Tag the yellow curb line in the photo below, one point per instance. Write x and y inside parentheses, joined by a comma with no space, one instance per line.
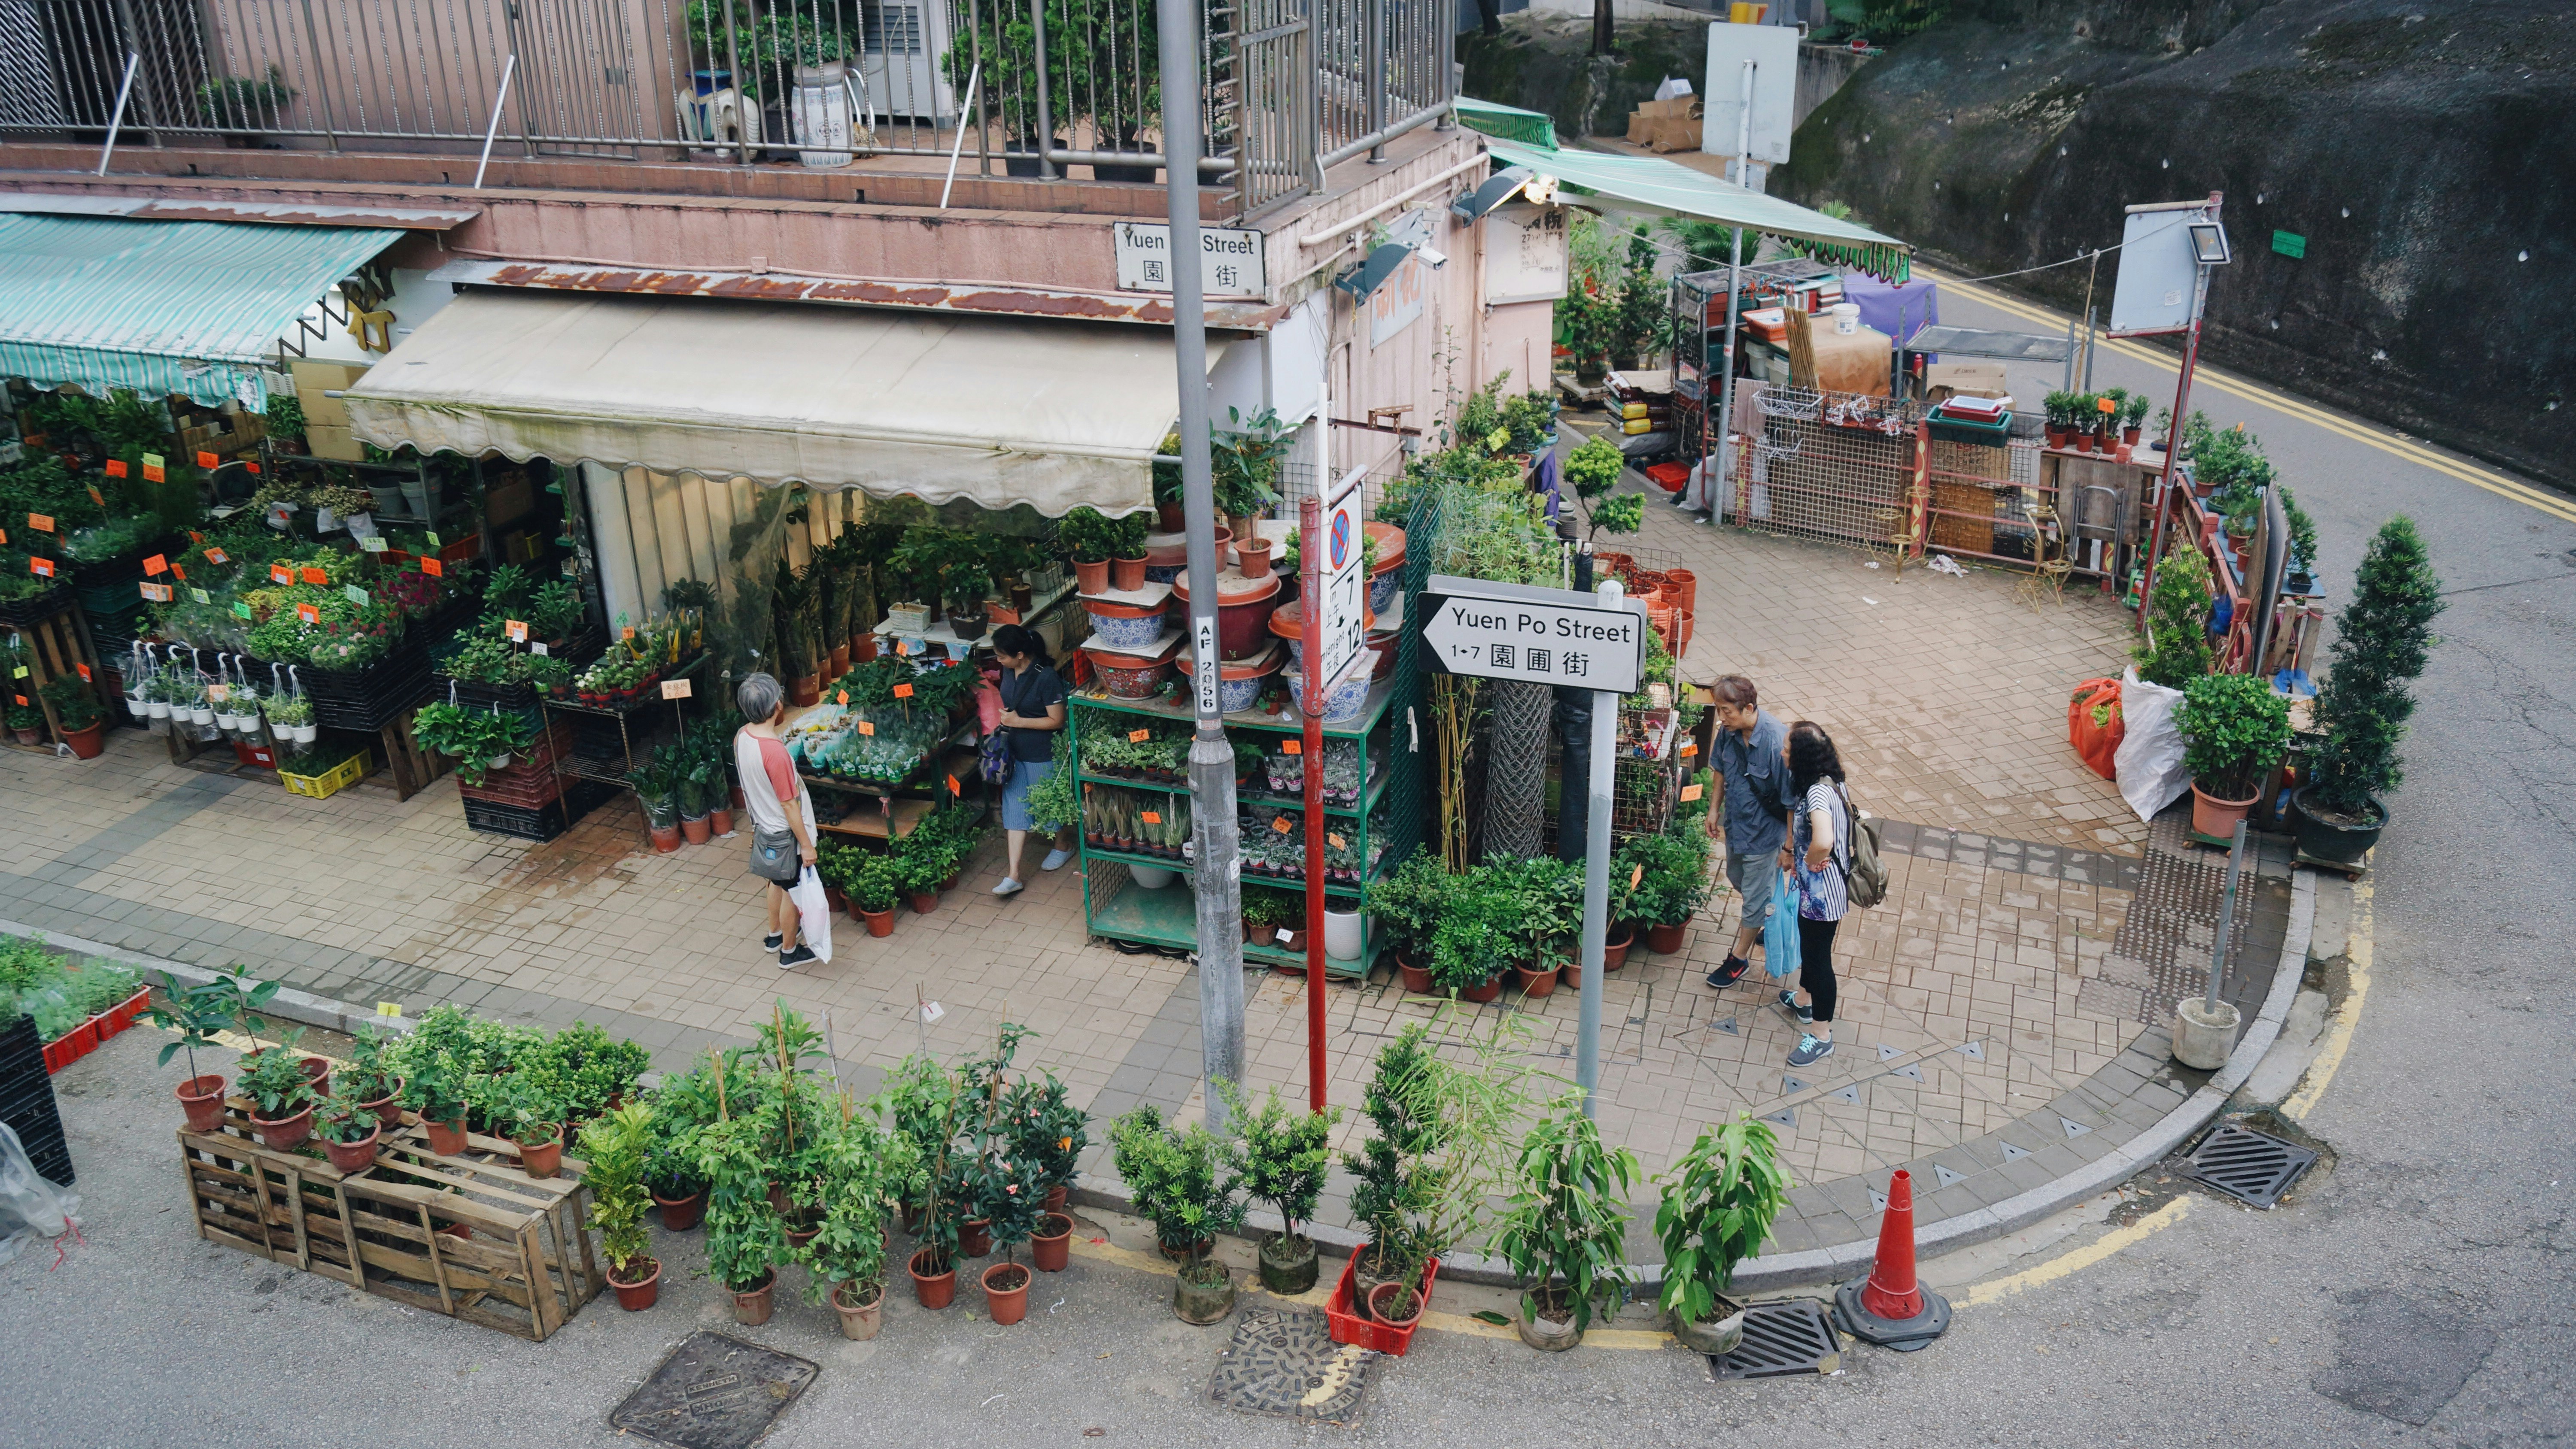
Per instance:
(2495,483)
(2084,1257)
(2321,1072)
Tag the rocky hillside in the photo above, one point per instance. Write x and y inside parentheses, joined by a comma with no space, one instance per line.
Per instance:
(2421,148)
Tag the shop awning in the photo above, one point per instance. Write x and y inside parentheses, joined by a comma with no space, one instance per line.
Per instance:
(161,307)
(997,412)
(1650,183)
(1510,123)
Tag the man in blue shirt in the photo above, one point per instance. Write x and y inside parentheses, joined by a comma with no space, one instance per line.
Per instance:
(1756,779)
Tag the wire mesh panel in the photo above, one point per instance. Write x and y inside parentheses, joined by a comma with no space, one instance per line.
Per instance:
(1827,465)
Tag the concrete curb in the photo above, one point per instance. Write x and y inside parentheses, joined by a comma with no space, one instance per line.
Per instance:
(1757,1275)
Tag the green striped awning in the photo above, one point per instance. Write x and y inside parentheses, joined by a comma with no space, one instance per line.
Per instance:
(1653,184)
(161,307)
(1510,123)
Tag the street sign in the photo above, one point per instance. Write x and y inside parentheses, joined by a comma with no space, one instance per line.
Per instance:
(1543,636)
(1345,628)
(1230,262)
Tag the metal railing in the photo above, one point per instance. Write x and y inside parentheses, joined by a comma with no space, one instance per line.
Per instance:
(1018,87)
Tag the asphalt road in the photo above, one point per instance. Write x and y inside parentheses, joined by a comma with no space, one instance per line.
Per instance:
(2417,1290)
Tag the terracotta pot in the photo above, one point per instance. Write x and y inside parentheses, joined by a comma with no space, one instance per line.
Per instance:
(752,1309)
(698,831)
(641,1294)
(86,743)
(1665,940)
(202,1098)
(666,838)
(1417,979)
(29,737)
(799,1237)
(355,1156)
(2130,436)
(931,1290)
(2057,436)
(679,1214)
(447,1139)
(1052,1251)
(840,659)
(1569,974)
(1289,1266)
(720,820)
(2215,817)
(317,1070)
(879,923)
(542,1160)
(284,1134)
(1007,1305)
(863,648)
(1091,578)
(1254,553)
(1382,1304)
(805,689)
(975,1237)
(924,902)
(1260,935)
(1172,517)
(1203,1302)
(1535,982)
(1492,989)
(388,1108)
(1127,573)
(1614,951)
(859,1321)
(1683,586)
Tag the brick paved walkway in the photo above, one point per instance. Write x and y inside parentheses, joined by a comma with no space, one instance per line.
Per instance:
(2008,976)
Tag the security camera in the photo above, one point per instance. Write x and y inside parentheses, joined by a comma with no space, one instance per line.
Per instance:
(1436,259)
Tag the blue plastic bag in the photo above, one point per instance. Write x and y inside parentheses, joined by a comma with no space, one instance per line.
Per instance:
(1780,933)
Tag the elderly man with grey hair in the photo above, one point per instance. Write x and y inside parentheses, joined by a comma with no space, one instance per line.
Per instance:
(1751,771)
(782,814)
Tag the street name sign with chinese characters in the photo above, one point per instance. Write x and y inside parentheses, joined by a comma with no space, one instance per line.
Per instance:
(1229,259)
(1542,636)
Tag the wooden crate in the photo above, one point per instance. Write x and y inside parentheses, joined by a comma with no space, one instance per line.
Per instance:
(58,644)
(471,1237)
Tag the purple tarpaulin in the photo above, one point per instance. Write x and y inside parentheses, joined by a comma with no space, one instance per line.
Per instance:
(1879,304)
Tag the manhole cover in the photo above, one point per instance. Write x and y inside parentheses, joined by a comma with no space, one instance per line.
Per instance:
(2248,1165)
(714,1392)
(1791,1336)
(1286,1366)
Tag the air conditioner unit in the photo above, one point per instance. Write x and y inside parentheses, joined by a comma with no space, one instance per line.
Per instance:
(904,41)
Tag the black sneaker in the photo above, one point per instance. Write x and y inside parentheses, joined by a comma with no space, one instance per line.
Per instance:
(1789,1000)
(790,960)
(774,940)
(1729,971)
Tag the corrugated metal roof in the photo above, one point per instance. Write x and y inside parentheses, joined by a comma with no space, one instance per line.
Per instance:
(190,307)
(280,213)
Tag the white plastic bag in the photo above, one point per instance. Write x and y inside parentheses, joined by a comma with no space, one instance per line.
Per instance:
(31,1208)
(813,913)
(2149,761)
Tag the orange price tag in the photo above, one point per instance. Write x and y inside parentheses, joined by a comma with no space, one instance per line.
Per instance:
(96,497)
(1280,824)
(517,629)
(41,522)
(1138,737)
(155,565)
(251,468)
(309,613)
(217,556)
(866,728)
(1337,842)
(84,672)
(195,537)
(316,576)
(1292,747)
(903,691)
(433,568)
(627,633)
(206,459)
(841,698)
(179,572)
(116,467)
(954,788)
(1689,748)
(1636,875)
(44,566)
(1153,817)
(153,473)
(4,535)
(280,574)
(1690,793)
(157,593)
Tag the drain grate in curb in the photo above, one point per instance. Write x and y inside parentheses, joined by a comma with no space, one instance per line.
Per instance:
(1789,1336)
(714,1392)
(1286,1366)
(2250,1166)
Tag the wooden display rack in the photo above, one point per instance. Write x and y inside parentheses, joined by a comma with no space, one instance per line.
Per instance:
(470,1237)
(57,644)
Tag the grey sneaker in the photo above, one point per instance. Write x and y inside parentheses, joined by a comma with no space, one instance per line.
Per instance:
(1789,1001)
(1810,1051)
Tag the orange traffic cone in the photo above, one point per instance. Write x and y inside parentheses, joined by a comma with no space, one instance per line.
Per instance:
(1889,1307)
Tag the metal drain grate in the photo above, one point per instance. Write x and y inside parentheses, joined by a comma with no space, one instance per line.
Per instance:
(714,1392)
(1790,1336)
(2248,1165)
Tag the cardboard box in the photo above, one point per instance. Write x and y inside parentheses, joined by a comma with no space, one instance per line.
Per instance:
(1673,133)
(1663,125)
(314,379)
(1968,379)
(334,442)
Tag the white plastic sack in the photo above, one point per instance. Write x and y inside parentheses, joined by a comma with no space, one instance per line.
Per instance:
(2149,762)
(813,913)
(32,1209)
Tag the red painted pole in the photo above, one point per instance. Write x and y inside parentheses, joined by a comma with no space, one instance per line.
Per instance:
(1310,596)
(2173,435)
(1892,1292)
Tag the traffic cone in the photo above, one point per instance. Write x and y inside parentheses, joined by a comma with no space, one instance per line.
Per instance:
(1889,1307)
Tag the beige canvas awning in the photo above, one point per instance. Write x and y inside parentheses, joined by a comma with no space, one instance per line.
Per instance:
(1055,415)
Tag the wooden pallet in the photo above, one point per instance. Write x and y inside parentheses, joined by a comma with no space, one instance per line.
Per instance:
(56,645)
(471,1237)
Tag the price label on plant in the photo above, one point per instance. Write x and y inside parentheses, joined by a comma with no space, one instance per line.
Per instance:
(219,692)
(1287,938)
(42,566)
(372,544)
(97,497)
(354,594)
(539,649)
(153,472)
(433,568)
(179,572)
(954,788)
(309,613)
(1292,747)
(206,459)
(517,629)
(1280,824)
(866,728)
(1689,748)
(240,609)
(675,689)
(1636,875)
(1337,842)
(155,566)
(1138,737)
(84,672)
(316,577)
(217,556)
(433,539)
(280,574)
(157,593)
(626,633)
(903,691)
(115,467)
(841,697)
(41,522)
(388,1008)
(1153,817)
(1690,793)
(201,596)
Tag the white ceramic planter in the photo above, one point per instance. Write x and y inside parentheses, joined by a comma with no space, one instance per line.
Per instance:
(1342,938)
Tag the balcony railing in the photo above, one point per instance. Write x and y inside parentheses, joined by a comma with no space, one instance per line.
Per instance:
(1019,87)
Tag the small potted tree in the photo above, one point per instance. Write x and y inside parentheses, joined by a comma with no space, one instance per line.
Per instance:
(1016,1210)
(1285,1153)
(1187,1181)
(1566,1231)
(1090,538)
(369,1081)
(861,1164)
(282,1097)
(874,888)
(745,1241)
(1549,896)
(618,1146)
(197,1013)
(79,713)
(1717,1206)
(533,1121)
(1052,1133)
(433,1089)
(922,1099)
(2176,649)
(1408,904)
(2383,639)
(969,587)
(349,1131)
(2235,728)
(1264,912)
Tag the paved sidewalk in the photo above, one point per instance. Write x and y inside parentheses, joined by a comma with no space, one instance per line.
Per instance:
(2001,1007)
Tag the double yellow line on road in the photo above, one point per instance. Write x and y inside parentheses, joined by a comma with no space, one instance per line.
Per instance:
(2555,505)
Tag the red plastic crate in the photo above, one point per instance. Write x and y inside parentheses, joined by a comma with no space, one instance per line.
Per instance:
(120,1016)
(71,1046)
(1669,476)
(1348,1327)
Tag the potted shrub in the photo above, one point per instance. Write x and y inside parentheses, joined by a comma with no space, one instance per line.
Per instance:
(26,722)
(1408,905)
(2133,417)
(2235,728)
(1717,1205)
(369,1082)
(922,1101)
(860,1165)
(349,1132)
(969,588)
(745,1241)
(684,1102)
(874,888)
(2300,576)
(1565,1233)
(1243,473)
(2383,639)
(1089,538)
(617,1147)
(281,1095)
(533,1120)
(78,712)
(1015,1212)
(1668,875)
(657,791)
(2059,407)
(1548,898)
(197,1013)
(1470,945)
(1264,912)
(1053,1133)
(433,1089)
(1186,1181)
(1286,1150)
(2176,648)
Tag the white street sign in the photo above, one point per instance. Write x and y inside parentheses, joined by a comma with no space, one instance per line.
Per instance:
(1345,628)
(1543,636)
(1229,259)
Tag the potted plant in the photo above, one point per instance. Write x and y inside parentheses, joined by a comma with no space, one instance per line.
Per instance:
(197,1013)
(433,1090)
(1407,904)
(2303,545)
(245,110)
(745,1240)
(969,587)
(1186,1180)
(282,1097)
(2383,639)
(657,791)
(860,1165)
(2235,728)
(2133,417)
(1243,472)
(1717,1205)
(1548,895)
(1566,1231)
(369,1081)
(1473,939)
(2059,407)
(1668,872)
(2176,648)
(349,1132)
(1089,538)
(78,712)
(874,889)
(683,1103)
(532,1119)
(922,1102)
(1016,1210)
(617,1147)
(1286,1150)
(26,723)
(1264,912)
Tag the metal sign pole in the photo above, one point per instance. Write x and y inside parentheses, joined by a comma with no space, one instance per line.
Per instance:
(1596,875)
(1216,876)
(1310,561)
(1734,294)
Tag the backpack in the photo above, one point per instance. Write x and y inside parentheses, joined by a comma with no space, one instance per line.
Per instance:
(1865,879)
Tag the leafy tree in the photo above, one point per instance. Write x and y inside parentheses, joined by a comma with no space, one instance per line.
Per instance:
(2383,639)
(2176,649)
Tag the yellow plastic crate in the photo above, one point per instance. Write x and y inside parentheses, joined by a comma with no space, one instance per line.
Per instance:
(331,781)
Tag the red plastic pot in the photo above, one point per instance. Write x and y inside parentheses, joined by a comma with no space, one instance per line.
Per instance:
(202,1098)
(86,743)
(720,821)
(1492,989)
(447,1139)
(355,1156)
(542,1160)
(1127,573)
(1052,1251)
(1381,1301)
(679,1214)
(1535,982)
(1091,578)
(1055,1198)
(879,923)
(698,831)
(752,1309)
(1417,979)
(388,1108)
(2216,817)
(1665,940)
(284,1134)
(666,838)
(930,1290)
(1614,952)
(975,1237)
(637,1296)
(1007,1305)
(924,902)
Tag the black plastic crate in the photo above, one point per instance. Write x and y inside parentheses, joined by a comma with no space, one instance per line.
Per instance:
(580,797)
(39,608)
(369,698)
(27,1101)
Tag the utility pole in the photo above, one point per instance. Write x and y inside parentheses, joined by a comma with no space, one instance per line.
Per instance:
(1216,877)
(1724,489)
